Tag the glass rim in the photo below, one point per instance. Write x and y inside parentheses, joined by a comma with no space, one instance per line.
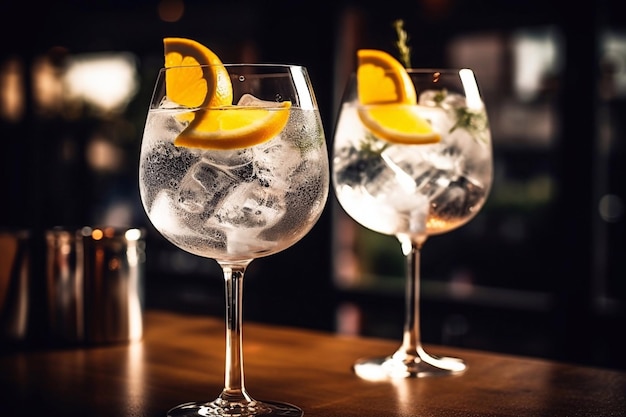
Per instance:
(428,70)
(298,90)
(238,65)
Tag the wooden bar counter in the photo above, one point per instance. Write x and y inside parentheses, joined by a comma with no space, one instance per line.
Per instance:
(181,359)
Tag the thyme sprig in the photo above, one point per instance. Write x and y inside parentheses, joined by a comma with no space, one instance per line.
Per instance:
(370,146)
(402,43)
(474,122)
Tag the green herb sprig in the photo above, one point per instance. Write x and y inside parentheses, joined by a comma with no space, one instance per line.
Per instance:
(371,147)
(402,43)
(474,122)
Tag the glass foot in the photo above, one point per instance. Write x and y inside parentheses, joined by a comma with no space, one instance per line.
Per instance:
(407,366)
(220,408)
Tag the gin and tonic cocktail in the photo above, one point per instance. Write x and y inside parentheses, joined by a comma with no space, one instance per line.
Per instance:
(233,167)
(412,158)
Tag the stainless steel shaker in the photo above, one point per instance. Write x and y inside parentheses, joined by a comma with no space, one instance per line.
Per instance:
(64,286)
(14,285)
(112,275)
(94,279)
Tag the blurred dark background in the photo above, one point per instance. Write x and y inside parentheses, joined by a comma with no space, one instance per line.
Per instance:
(540,271)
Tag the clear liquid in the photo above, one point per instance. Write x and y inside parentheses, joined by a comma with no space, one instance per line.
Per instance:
(411,190)
(234,204)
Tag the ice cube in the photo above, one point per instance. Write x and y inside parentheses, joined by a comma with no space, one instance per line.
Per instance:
(460,197)
(274,162)
(237,161)
(163,214)
(241,241)
(352,168)
(441,98)
(202,188)
(252,206)
(252,101)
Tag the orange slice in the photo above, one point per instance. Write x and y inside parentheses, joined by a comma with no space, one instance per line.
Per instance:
(382,79)
(217,124)
(388,97)
(194,86)
(235,127)
(398,123)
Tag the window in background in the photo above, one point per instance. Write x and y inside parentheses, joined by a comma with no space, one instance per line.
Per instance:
(66,122)
(609,288)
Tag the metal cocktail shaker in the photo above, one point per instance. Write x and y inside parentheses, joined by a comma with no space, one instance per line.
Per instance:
(95,285)
(14,284)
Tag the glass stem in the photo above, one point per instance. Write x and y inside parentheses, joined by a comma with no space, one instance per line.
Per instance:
(234,391)
(411,340)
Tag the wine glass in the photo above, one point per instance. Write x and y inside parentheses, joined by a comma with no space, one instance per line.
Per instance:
(255,197)
(414,191)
